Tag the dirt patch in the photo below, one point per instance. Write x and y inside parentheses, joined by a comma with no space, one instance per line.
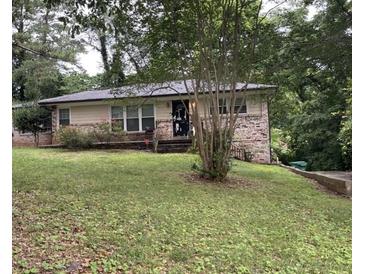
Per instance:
(229,181)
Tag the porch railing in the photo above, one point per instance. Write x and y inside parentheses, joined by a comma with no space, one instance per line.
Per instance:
(238,153)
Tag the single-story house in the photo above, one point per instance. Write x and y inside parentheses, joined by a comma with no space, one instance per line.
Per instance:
(165,108)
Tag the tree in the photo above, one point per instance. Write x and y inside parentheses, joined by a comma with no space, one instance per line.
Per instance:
(345,134)
(76,82)
(42,51)
(212,39)
(107,27)
(32,119)
(312,69)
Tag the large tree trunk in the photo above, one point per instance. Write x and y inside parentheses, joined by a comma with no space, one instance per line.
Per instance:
(104,52)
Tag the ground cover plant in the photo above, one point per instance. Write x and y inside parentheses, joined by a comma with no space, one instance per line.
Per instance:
(136,212)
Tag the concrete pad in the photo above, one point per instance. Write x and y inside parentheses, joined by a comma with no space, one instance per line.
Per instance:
(342,175)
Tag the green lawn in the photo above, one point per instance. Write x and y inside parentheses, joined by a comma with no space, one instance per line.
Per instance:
(116,212)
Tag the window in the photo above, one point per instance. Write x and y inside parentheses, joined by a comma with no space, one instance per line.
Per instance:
(132,118)
(117,118)
(238,103)
(222,107)
(148,117)
(64,117)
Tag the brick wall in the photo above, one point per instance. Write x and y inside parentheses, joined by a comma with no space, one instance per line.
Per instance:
(164,130)
(252,134)
(131,136)
(27,139)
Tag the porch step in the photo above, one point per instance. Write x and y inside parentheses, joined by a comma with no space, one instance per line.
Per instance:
(175,141)
(172,146)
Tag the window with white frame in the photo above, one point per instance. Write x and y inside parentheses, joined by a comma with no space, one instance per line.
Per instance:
(222,107)
(64,116)
(132,118)
(117,117)
(148,117)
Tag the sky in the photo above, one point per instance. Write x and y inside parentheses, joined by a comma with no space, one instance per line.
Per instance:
(91,59)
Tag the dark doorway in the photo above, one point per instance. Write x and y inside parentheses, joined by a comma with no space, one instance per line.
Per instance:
(180,117)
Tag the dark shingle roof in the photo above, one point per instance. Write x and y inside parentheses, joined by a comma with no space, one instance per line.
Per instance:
(164,89)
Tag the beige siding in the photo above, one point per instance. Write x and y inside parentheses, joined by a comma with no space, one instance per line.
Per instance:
(89,114)
(203,106)
(254,103)
(163,110)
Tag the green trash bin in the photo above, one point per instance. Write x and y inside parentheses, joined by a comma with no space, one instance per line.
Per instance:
(302,165)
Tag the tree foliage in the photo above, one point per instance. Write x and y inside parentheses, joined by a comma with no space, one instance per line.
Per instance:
(31,119)
(42,50)
(76,82)
(313,69)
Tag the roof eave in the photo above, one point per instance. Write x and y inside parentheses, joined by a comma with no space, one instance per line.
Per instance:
(272,88)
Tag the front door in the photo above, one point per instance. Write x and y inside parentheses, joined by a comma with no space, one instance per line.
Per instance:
(180,117)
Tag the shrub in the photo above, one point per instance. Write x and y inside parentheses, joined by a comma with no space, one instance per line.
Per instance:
(279,144)
(118,132)
(32,119)
(105,133)
(75,138)
(102,133)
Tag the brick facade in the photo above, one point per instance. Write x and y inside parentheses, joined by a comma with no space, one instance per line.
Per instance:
(164,130)
(27,139)
(130,136)
(252,134)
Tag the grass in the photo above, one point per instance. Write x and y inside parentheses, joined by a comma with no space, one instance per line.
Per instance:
(117,212)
